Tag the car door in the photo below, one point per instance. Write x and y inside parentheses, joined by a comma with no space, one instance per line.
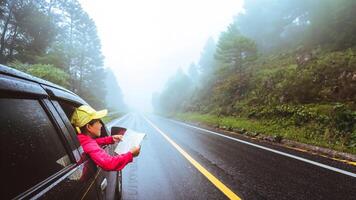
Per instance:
(85,174)
(36,159)
(106,182)
(113,189)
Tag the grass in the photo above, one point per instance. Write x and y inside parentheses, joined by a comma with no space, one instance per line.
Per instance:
(305,134)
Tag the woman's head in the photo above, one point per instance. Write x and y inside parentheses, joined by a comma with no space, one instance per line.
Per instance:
(88,120)
(93,128)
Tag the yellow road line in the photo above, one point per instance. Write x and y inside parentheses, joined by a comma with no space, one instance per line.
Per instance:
(230,194)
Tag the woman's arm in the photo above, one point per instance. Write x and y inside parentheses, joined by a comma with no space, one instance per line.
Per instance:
(105,140)
(106,161)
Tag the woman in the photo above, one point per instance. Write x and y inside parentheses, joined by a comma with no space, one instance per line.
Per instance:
(88,121)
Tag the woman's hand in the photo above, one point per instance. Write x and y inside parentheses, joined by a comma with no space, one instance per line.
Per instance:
(135,151)
(117,138)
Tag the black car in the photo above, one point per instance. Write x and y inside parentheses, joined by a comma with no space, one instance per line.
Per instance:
(41,157)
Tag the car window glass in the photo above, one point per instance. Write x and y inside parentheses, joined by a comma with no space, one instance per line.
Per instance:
(68,108)
(31,149)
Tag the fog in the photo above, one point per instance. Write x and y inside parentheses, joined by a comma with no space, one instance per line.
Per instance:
(146,42)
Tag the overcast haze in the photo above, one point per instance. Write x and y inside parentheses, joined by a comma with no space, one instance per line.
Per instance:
(145,42)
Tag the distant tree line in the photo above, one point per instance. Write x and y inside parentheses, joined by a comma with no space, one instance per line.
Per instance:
(55,40)
(283,60)
(273,46)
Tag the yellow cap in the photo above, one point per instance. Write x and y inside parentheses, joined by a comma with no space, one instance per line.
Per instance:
(84,114)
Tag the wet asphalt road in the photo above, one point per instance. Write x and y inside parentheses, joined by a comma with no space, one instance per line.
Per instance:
(161,172)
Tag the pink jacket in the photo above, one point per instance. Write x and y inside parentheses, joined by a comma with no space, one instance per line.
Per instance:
(100,157)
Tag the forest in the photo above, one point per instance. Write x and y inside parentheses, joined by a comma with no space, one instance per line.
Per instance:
(58,41)
(281,68)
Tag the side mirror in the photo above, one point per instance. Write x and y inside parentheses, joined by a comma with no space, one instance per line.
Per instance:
(115,130)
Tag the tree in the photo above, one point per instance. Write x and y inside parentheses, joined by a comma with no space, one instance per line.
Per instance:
(277,25)
(54,33)
(271,23)
(26,30)
(193,73)
(233,49)
(47,72)
(78,44)
(332,24)
(175,95)
(207,61)
(114,97)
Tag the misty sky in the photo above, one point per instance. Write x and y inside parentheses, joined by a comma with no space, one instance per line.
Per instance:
(145,42)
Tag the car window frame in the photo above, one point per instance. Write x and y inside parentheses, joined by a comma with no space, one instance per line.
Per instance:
(43,184)
(44,97)
(46,184)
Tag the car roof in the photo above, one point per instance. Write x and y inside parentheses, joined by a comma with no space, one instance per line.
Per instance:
(58,92)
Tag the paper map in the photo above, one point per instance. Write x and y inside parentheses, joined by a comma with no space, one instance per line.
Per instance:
(131,139)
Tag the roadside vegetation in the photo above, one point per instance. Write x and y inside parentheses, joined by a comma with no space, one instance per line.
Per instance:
(282,68)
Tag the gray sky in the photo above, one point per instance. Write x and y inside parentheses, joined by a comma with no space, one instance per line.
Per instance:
(145,42)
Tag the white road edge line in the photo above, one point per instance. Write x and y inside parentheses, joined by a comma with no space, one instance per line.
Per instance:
(272,150)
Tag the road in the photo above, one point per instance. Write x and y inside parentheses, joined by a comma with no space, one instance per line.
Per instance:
(178,161)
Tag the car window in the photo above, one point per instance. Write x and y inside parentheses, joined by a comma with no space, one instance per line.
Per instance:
(69,108)
(31,149)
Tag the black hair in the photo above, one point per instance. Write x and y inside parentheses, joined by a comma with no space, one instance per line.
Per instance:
(84,129)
